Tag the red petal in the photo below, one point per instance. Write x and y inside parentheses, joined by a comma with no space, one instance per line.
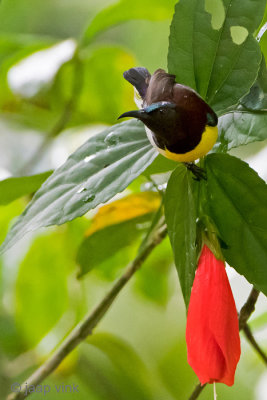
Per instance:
(212,332)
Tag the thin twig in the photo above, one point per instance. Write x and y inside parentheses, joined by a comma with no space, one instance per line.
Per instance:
(254,343)
(86,326)
(198,389)
(244,315)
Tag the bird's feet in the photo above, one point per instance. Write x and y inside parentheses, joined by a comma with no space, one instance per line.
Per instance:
(199,173)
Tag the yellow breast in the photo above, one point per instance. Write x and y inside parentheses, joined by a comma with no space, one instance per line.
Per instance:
(208,140)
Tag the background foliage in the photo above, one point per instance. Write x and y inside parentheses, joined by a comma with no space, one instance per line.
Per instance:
(61,82)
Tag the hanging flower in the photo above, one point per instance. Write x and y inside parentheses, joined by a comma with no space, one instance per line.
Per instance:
(212,332)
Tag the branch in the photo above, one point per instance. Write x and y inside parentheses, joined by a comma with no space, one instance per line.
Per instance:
(244,315)
(86,326)
(253,343)
(248,308)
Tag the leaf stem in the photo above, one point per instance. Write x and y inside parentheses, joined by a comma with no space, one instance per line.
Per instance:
(86,326)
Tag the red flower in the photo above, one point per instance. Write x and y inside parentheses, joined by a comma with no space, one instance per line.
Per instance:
(212,332)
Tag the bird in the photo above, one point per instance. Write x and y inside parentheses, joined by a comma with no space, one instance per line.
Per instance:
(178,121)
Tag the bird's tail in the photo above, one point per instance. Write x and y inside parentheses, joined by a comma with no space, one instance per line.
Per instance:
(139,77)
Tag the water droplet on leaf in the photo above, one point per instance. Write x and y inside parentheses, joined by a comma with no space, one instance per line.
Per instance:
(82,189)
(89,198)
(112,139)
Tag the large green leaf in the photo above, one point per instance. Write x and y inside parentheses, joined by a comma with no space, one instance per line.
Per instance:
(93,174)
(124,357)
(113,371)
(181,222)
(241,127)
(238,205)
(256,99)
(221,64)
(174,370)
(15,187)
(105,243)
(122,11)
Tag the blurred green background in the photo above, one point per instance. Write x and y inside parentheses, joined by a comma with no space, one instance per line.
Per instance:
(61,65)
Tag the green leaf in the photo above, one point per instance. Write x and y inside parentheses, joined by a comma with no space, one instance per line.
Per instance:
(122,356)
(112,369)
(181,222)
(105,243)
(221,64)
(238,128)
(237,200)
(174,370)
(114,95)
(7,213)
(15,187)
(11,342)
(153,279)
(160,165)
(93,174)
(122,12)
(41,287)
(261,34)
(126,208)
(256,99)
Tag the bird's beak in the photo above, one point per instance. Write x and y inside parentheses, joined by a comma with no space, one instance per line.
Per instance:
(132,114)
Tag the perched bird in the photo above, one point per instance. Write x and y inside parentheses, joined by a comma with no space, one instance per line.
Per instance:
(178,122)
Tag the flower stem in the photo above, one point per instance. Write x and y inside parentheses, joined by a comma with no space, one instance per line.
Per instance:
(214,391)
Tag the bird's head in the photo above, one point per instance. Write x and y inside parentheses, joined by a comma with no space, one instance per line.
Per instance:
(158,116)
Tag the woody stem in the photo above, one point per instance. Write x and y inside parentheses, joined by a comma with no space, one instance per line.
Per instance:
(248,308)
